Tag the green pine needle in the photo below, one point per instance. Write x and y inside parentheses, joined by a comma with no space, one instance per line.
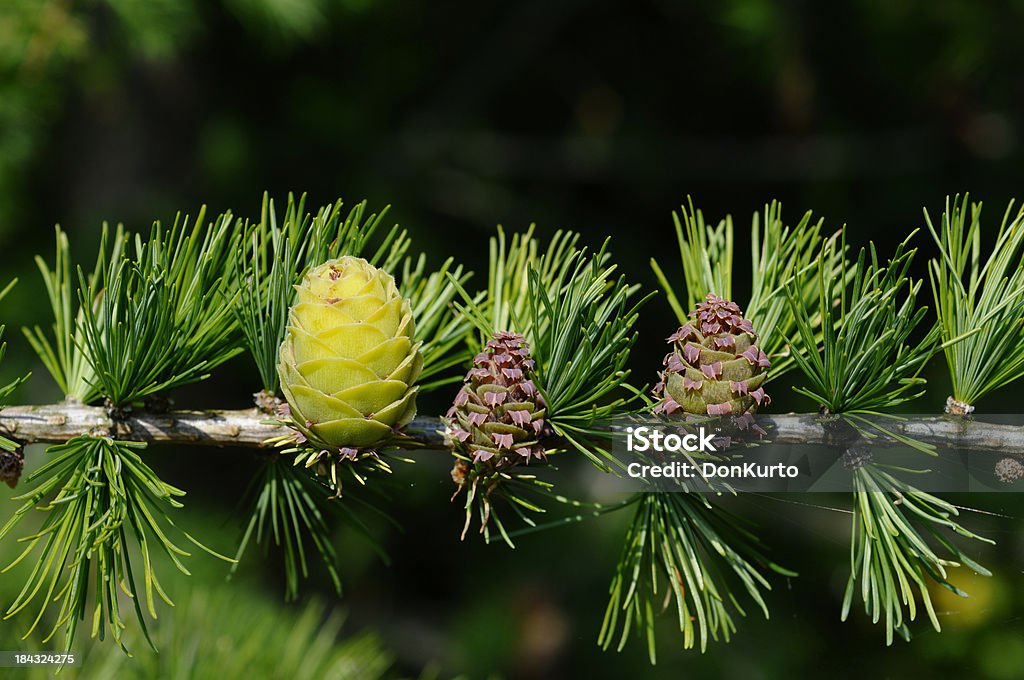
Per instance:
(158,315)
(64,357)
(291,508)
(269,262)
(528,497)
(578,318)
(783,258)
(856,346)
(442,330)
(104,508)
(679,555)
(705,258)
(982,299)
(891,559)
(581,329)
(505,304)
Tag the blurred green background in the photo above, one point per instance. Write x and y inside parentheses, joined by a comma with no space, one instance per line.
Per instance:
(596,116)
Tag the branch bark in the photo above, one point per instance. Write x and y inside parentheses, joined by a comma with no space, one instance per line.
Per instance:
(251,428)
(246,428)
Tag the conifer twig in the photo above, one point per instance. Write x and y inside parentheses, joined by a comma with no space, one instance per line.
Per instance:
(251,428)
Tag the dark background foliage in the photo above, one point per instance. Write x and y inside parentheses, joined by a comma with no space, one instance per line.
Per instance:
(595,116)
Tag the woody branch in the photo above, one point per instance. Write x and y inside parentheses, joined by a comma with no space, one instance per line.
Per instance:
(252,428)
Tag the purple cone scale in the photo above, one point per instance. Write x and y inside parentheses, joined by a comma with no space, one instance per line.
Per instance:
(715,366)
(498,415)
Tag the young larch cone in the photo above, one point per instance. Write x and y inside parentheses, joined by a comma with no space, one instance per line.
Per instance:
(715,366)
(349,361)
(498,416)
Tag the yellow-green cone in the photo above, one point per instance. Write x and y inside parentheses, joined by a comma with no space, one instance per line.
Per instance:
(348,363)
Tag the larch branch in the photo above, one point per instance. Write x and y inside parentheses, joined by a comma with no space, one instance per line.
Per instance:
(252,428)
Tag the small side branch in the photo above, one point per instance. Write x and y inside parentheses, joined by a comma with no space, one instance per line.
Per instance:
(251,428)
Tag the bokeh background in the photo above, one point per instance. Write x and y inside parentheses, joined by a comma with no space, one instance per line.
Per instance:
(596,116)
